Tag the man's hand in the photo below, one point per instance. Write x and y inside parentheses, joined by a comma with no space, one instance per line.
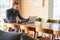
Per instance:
(28,19)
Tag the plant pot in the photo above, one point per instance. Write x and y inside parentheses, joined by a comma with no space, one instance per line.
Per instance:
(38,24)
(48,25)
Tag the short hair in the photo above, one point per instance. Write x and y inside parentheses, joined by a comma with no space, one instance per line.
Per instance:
(15,3)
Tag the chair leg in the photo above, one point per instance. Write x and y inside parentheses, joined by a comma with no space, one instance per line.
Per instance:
(57,36)
(53,37)
(22,30)
(36,35)
(19,30)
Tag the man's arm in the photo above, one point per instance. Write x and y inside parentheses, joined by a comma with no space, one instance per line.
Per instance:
(20,17)
(8,17)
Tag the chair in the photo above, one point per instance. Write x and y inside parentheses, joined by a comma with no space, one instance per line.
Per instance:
(47,31)
(56,33)
(10,25)
(32,29)
(23,28)
(26,29)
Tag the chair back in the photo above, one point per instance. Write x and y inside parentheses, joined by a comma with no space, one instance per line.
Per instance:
(48,31)
(56,33)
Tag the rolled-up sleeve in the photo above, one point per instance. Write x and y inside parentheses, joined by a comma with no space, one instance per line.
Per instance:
(8,17)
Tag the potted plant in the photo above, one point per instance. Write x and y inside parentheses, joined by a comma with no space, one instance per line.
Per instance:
(38,22)
(39,19)
(48,24)
(49,21)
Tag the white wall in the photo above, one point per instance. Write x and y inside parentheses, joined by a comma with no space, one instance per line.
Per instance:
(30,9)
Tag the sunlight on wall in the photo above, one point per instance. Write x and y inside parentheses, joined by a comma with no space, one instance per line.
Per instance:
(34,8)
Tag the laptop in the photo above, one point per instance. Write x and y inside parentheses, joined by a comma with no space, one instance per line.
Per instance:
(32,19)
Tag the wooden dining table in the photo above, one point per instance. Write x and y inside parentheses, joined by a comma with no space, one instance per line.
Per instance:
(40,29)
(30,26)
(34,28)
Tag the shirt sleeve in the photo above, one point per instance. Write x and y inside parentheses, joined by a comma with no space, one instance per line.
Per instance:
(8,17)
(20,17)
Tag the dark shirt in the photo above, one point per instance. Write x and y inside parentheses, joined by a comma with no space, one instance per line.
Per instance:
(11,15)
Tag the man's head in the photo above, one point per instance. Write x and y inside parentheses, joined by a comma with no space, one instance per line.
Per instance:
(15,6)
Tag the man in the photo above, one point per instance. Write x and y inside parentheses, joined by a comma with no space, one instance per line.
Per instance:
(12,13)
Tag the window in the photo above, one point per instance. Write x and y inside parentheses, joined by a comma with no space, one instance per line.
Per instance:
(4,5)
(56,13)
(56,9)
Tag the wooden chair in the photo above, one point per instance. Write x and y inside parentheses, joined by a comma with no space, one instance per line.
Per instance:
(26,29)
(11,25)
(56,33)
(47,31)
(32,29)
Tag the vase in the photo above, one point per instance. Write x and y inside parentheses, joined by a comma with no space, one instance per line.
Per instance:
(48,25)
(38,24)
